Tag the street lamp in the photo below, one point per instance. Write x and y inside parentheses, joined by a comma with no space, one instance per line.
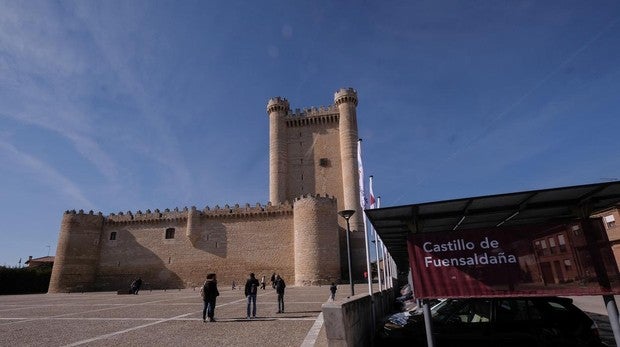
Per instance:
(346,214)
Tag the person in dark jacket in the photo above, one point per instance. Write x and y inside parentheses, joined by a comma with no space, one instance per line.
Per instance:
(333,290)
(135,286)
(251,289)
(280,285)
(210,293)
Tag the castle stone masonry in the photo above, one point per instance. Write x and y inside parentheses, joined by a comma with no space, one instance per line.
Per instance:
(313,174)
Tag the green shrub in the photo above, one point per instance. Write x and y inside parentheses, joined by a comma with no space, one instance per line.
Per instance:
(24,280)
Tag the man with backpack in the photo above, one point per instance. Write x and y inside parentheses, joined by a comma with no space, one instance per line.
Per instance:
(251,289)
(209,293)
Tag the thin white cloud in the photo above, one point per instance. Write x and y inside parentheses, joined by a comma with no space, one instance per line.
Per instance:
(45,174)
(111,40)
(38,72)
(49,65)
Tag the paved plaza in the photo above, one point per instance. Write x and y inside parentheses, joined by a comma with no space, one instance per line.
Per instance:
(163,318)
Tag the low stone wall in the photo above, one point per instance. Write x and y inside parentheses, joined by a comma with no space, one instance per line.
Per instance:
(348,322)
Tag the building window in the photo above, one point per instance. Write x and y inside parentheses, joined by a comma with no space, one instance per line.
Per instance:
(576,230)
(324,162)
(543,246)
(562,242)
(610,221)
(551,245)
(113,235)
(170,233)
(567,264)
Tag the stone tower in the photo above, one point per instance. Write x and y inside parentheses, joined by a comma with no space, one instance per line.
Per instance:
(311,147)
(346,100)
(314,151)
(317,259)
(77,255)
(277,108)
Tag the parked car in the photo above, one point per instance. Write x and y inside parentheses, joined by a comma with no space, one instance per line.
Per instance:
(504,322)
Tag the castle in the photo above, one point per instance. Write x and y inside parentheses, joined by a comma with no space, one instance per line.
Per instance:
(313,174)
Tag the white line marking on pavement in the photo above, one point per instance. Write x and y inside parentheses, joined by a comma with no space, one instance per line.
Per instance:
(105,336)
(313,333)
(89,311)
(100,337)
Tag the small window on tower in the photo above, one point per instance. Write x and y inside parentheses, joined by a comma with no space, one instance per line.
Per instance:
(324,162)
(610,221)
(113,235)
(170,233)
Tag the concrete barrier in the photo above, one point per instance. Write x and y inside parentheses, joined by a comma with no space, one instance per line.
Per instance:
(349,322)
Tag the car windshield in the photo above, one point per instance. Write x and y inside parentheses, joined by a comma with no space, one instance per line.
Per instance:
(444,308)
(463,311)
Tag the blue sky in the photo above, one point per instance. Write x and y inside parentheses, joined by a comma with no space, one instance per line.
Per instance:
(134,105)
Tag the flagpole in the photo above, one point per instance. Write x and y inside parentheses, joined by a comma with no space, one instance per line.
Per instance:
(360,168)
(392,271)
(374,232)
(384,249)
(388,269)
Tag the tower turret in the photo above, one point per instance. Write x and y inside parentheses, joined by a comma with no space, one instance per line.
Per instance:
(317,259)
(346,100)
(193,225)
(277,109)
(77,255)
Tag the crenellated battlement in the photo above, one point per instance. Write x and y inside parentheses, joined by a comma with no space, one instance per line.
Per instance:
(317,196)
(177,214)
(278,104)
(312,116)
(227,211)
(314,111)
(238,211)
(81,212)
(345,95)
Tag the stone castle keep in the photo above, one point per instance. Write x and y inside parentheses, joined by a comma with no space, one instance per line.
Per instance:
(313,174)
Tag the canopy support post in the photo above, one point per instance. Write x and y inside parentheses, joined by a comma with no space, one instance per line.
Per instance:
(612,313)
(428,323)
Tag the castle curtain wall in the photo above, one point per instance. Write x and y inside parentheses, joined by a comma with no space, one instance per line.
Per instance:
(229,244)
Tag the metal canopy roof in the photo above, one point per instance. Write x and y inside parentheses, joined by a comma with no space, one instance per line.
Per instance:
(393,224)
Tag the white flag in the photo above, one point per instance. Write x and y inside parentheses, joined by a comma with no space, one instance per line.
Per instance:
(360,169)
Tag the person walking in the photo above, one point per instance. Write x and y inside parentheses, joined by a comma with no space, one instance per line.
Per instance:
(280,285)
(251,289)
(333,290)
(273,280)
(262,282)
(209,294)
(135,286)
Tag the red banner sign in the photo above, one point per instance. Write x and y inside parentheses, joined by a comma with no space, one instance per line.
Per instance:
(535,260)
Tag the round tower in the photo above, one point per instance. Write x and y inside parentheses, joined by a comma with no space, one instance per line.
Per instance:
(317,250)
(277,109)
(346,100)
(77,254)
(193,225)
